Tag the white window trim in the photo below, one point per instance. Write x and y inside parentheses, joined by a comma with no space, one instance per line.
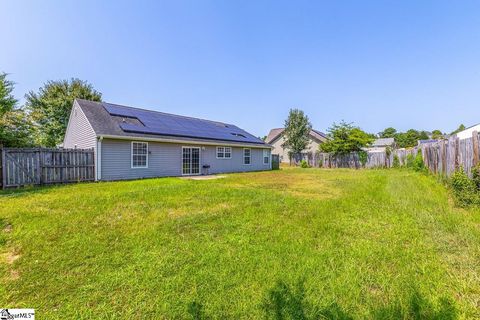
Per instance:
(268,155)
(243,160)
(131,156)
(224,157)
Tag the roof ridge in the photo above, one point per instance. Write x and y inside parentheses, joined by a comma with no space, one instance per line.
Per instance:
(166,113)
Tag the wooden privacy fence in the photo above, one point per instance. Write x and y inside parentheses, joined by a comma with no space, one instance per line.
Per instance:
(376,159)
(38,166)
(443,157)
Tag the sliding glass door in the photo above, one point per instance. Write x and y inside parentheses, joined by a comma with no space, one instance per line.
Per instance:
(190,160)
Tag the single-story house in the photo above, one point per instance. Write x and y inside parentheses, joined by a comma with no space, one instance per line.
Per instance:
(276,139)
(132,143)
(468,132)
(381,144)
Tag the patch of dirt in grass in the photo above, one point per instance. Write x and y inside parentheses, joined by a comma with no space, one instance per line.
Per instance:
(14,275)
(8,228)
(9,258)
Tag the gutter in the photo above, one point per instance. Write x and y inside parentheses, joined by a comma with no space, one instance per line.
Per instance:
(209,143)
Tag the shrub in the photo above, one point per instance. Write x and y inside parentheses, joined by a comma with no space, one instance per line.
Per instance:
(363,157)
(464,189)
(388,151)
(476,176)
(410,161)
(396,161)
(418,164)
(304,164)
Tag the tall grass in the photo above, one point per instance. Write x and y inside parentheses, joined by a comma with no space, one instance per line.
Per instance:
(288,244)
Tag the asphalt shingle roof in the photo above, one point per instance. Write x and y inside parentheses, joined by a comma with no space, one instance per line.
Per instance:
(274,133)
(382,142)
(116,120)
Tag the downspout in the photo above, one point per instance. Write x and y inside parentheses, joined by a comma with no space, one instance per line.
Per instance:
(99,159)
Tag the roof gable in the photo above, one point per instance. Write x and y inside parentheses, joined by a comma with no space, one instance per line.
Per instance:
(274,134)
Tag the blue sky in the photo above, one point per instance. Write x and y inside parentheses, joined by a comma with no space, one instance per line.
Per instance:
(406,64)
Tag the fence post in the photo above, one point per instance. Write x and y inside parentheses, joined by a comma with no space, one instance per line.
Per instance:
(457,153)
(4,169)
(40,166)
(475,148)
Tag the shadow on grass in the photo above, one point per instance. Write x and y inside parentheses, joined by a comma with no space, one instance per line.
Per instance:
(289,302)
(286,302)
(283,302)
(30,189)
(195,311)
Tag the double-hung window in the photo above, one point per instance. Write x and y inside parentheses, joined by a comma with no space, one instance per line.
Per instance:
(247,156)
(266,156)
(139,154)
(224,152)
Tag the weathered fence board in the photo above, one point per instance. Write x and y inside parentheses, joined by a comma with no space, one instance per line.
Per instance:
(442,157)
(38,166)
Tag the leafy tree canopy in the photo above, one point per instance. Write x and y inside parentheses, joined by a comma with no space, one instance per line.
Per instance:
(7,100)
(50,108)
(437,134)
(388,133)
(460,128)
(14,125)
(346,138)
(410,138)
(297,130)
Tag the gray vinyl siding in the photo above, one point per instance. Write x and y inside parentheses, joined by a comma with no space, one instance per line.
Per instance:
(79,132)
(235,164)
(165,159)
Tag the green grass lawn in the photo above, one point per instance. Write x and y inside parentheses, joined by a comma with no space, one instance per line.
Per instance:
(288,244)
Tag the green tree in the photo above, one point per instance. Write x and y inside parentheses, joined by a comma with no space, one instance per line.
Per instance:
(297,130)
(423,135)
(388,133)
(460,128)
(410,138)
(437,134)
(50,108)
(15,129)
(7,100)
(346,138)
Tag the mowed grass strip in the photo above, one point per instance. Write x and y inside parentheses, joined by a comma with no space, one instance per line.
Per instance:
(288,244)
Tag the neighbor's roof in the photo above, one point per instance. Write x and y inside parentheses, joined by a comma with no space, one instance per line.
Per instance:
(383,142)
(275,133)
(427,141)
(109,119)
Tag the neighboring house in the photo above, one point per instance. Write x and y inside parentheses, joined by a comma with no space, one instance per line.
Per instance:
(276,139)
(467,133)
(381,144)
(131,143)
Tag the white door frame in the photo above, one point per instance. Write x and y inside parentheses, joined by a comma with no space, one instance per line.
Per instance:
(199,161)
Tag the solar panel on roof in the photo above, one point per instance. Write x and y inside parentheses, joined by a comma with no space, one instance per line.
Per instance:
(174,125)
